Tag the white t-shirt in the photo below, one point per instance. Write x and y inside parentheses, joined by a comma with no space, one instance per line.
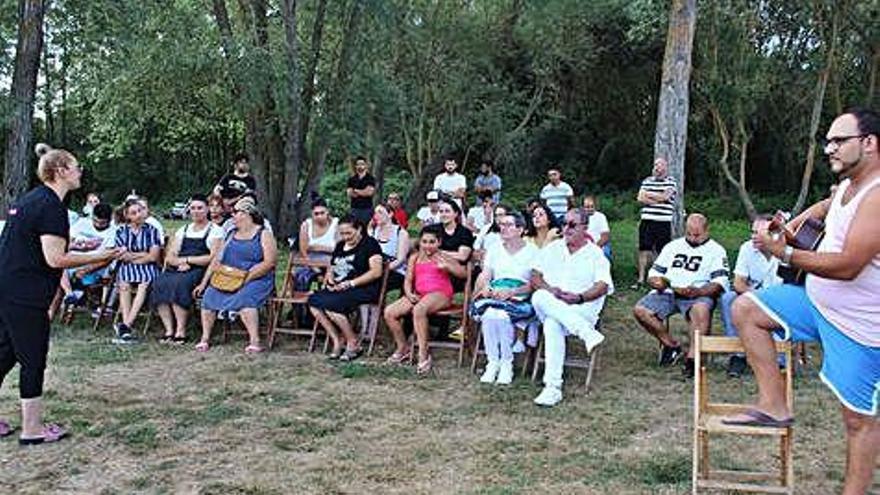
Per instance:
(485,239)
(426,217)
(598,226)
(156,223)
(478,215)
(84,234)
(557,197)
(450,183)
(505,265)
(574,272)
(216,232)
(686,266)
(757,269)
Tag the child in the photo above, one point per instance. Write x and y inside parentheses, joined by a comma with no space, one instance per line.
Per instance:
(427,289)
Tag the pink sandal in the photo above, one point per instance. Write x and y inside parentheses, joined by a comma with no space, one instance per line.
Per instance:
(202,347)
(5,429)
(253,349)
(51,434)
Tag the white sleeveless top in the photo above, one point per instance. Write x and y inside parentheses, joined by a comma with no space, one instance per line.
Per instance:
(327,240)
(853,306)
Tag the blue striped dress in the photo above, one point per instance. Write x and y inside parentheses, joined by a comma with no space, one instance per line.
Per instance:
(137,242)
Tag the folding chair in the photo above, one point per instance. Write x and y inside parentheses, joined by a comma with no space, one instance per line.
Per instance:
(708,420)
(289,296)
(588,362)
(453,312)
(529,357)
(369,316)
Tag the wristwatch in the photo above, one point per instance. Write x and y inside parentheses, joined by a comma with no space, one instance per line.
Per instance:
(786,255)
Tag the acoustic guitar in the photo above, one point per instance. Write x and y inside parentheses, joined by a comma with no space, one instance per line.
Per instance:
(807,237)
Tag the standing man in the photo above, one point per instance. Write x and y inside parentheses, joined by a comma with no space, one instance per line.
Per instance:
(361,188)
(239,182)
(451,182)
(557,194)
(657,197)
(571,278)
(487,182)
(839,305)
(33,253)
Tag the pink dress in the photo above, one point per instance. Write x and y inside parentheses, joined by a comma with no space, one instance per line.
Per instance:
(429,278)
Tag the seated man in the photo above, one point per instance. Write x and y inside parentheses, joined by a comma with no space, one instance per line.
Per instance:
(429,215)
(687,276)
(754,270)
(571,278)
(599,229)
(88,235)
(481,214)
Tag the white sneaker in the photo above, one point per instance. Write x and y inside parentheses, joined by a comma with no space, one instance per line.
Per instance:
(549,397)
(591,338)
(518,347)
(491,372)
(505,373)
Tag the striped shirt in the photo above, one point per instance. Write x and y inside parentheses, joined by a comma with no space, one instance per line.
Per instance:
(659,212)
(556,198)
(137,242)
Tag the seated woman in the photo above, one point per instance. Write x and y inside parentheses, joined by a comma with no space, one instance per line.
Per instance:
(249,247)
(216,213)
(427,289)
(394,241)
(544,228)
(353,279)
(189,252)
(138,266)
(501,296)
(318,236)
(489,235)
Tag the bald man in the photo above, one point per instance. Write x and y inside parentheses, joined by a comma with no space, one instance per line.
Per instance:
(687,277)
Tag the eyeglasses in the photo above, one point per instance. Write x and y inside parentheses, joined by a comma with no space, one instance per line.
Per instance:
(837,141)
(571,225)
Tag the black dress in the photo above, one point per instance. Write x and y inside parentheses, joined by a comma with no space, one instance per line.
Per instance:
(174,287)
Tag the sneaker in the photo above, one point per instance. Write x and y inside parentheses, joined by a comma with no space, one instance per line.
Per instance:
(591,339)
(491,372)
(736,366)
(73,298)
(518,347)
(687,370)
(670,355)
(123,334)
(505,373)
(549,397)
(232,316)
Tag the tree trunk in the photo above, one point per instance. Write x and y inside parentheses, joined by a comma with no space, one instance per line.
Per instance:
(16,177)
(818,103)
(287,218)
(670,139)
(423,182)
(308,92)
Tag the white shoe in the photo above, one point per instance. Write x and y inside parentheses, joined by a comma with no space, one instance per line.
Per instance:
(518,347)
(591,338)
(505,373)
(549,397)
(491,372)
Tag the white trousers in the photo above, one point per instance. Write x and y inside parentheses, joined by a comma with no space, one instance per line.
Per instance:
(498,335)
(561,319)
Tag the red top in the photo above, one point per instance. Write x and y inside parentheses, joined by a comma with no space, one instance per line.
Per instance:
(401,217)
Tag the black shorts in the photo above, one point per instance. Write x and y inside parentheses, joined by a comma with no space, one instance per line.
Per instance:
(653,235)
(344,301)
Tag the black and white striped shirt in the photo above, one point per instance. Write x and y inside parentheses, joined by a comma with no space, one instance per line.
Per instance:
(659,212)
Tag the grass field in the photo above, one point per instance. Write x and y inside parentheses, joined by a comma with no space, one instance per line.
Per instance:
(158,419)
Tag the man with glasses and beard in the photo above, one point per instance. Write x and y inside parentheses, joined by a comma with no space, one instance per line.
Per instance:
(839,305)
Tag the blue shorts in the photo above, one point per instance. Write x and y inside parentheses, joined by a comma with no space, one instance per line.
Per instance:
(850,369)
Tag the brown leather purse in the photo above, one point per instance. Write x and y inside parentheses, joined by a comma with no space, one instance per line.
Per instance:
(228,278)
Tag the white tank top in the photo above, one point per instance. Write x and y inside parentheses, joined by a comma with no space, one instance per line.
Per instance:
(853,306)
(328,239)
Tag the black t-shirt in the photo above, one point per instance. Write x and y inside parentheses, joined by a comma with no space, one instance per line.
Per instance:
(233,186)
(352,263)
(22,263)
(461,236)
(356,182)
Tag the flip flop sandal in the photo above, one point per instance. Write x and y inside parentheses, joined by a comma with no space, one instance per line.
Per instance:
(202,347)
(6,429)
(51,434)
(754,417)
(349,355)
(178,340)
(398,358)
(425,366)
(253,349)
(166,339)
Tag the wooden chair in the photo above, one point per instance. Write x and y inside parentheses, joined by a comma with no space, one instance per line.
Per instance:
(708,420)
(529,356)
(588,362)
(370,315)
(456,311)
(292,297)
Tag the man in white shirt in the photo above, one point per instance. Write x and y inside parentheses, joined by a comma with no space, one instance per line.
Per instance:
(481,215)
(557,194)
(88,235)
(599,229)
(571,278)
(687,277)
(430,214)
(451,182)
(754,270)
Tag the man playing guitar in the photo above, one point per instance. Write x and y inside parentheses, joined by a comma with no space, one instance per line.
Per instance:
(840,304)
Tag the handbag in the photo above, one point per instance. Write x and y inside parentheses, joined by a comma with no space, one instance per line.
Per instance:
(228,278)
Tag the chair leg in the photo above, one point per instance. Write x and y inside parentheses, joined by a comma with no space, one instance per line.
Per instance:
(594,358)
(375,323)
(537,360)
(314,337)
(274,310)
(474,359)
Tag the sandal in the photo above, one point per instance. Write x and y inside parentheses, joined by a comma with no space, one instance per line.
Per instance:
(350,355)
(202,347)
(166,339)
(335,354)
(754,417)
(425,366)
(51,434)
(178,340)
(5,429)
(253,349)
(398,358)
